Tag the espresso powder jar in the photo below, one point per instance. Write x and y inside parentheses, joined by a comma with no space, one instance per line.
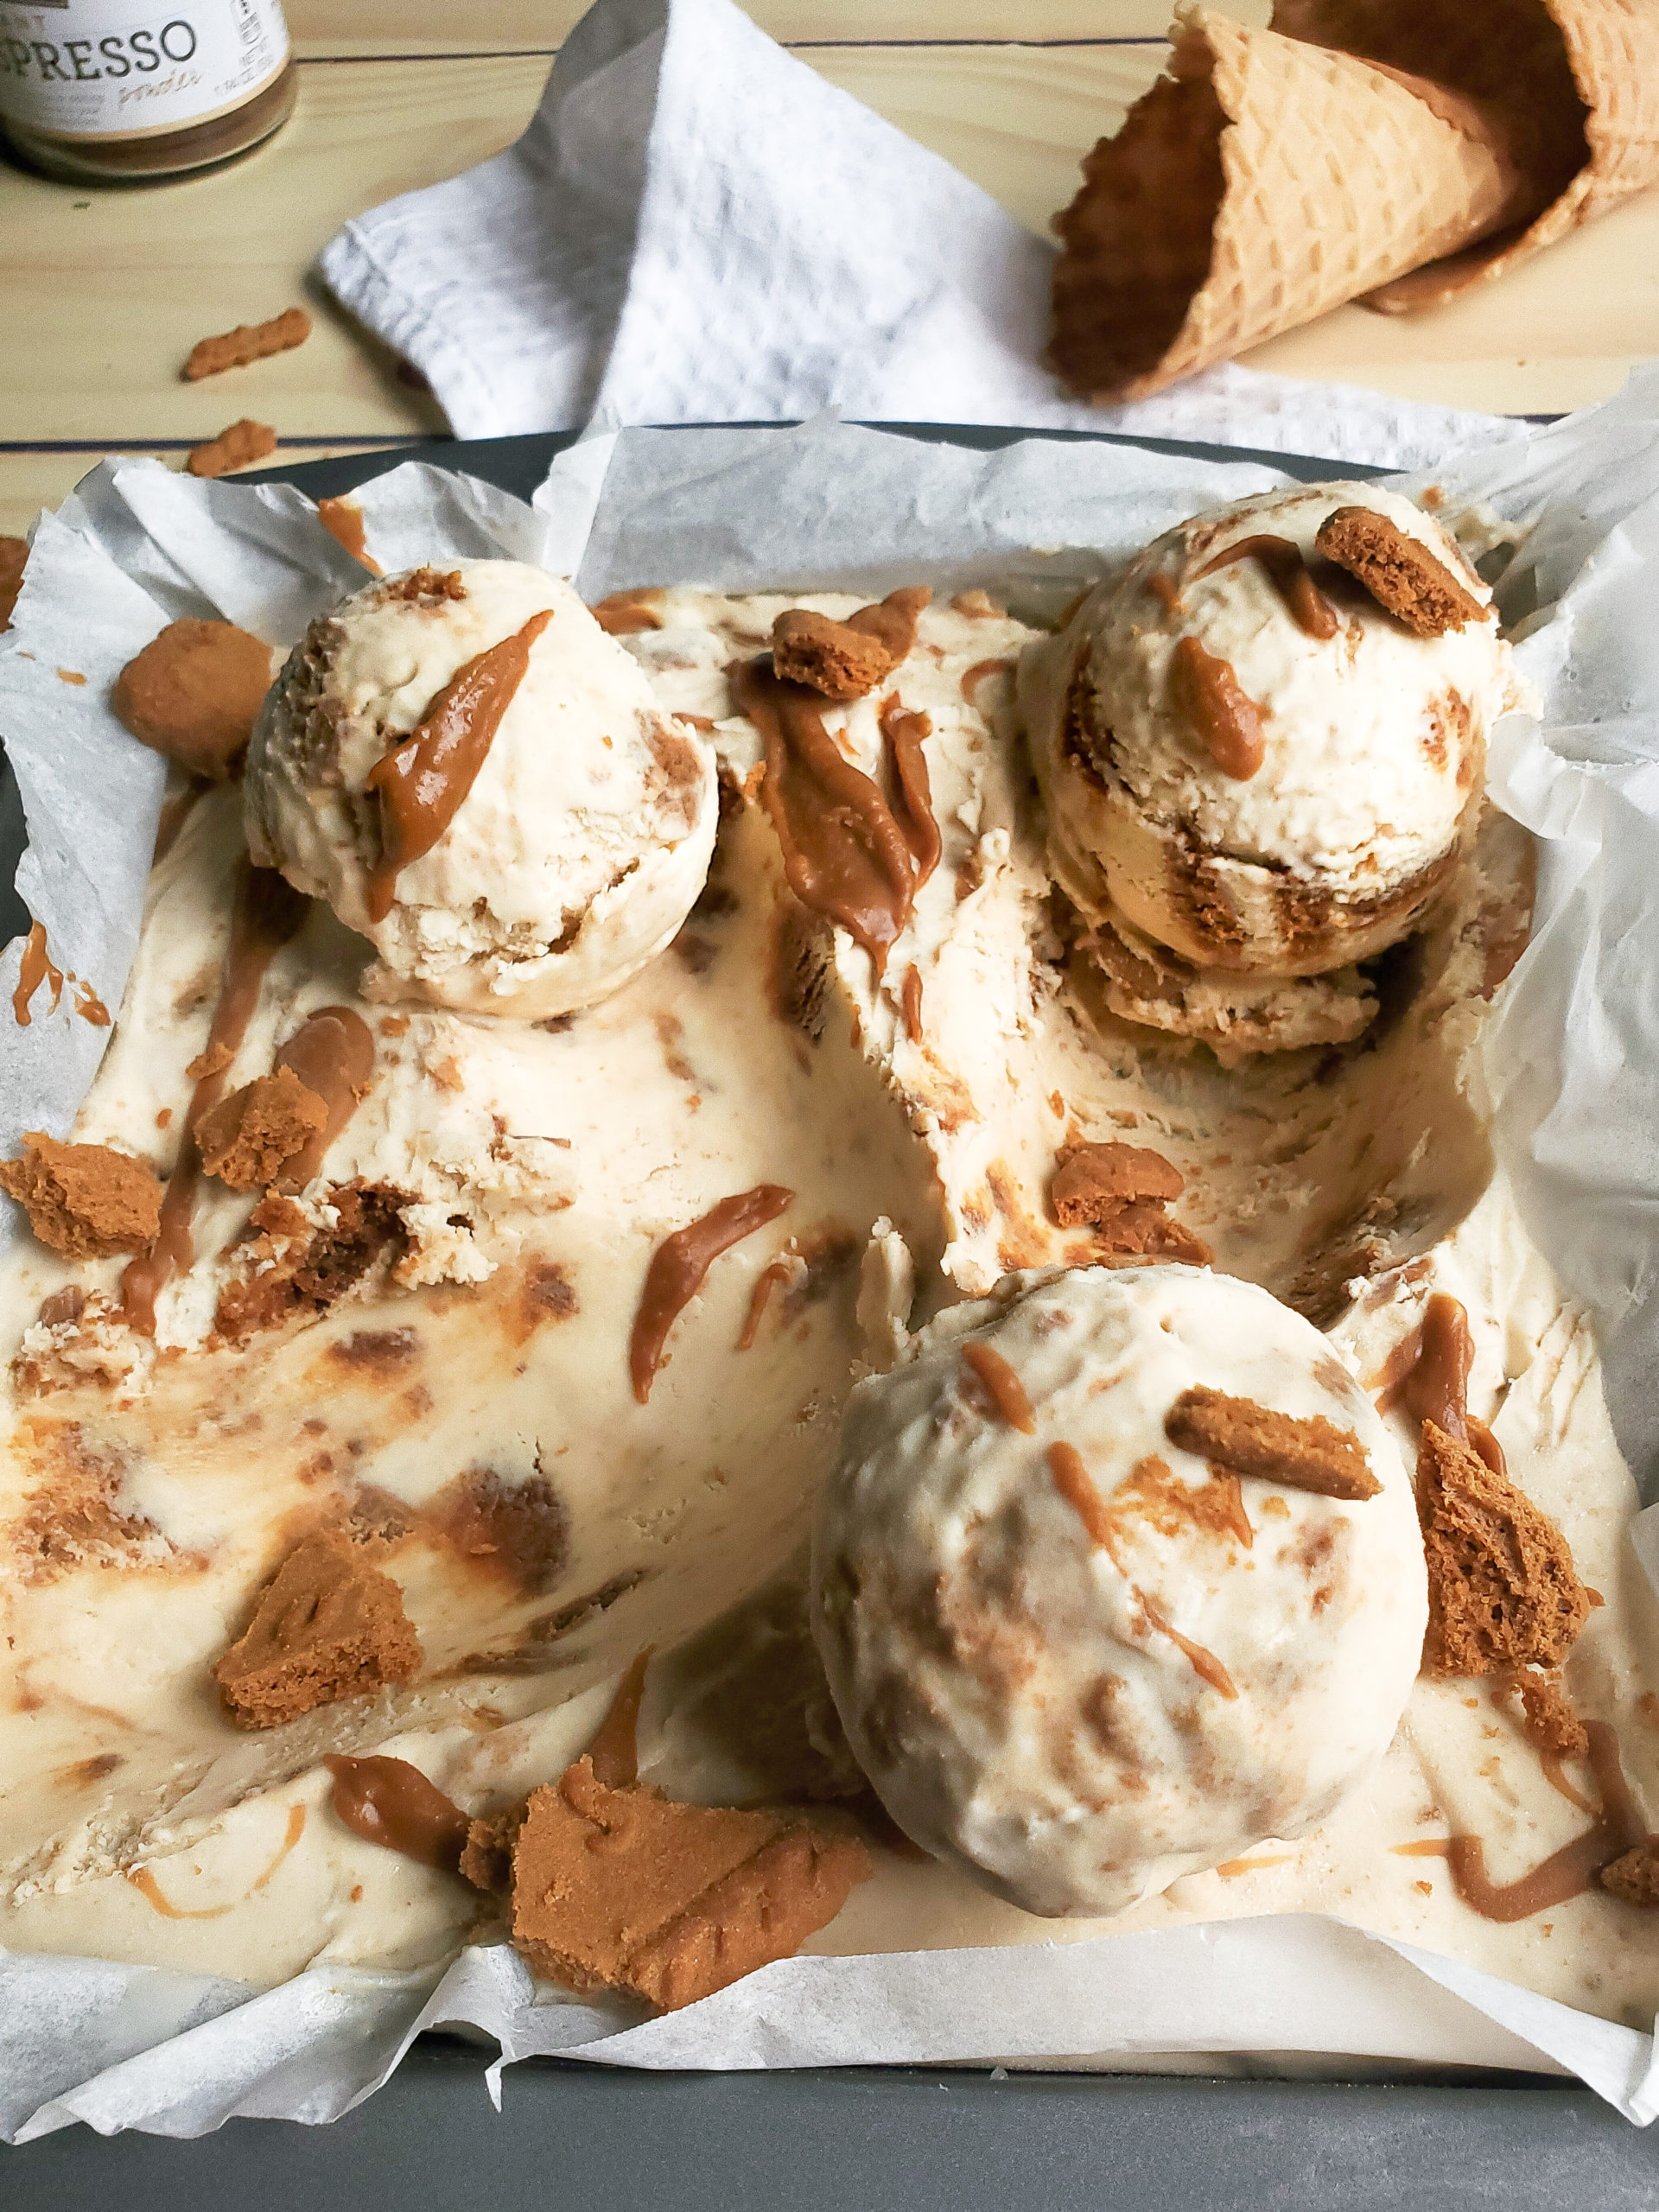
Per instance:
(127,92)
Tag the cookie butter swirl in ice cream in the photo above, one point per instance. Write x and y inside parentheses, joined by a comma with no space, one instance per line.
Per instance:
(1117,1576)
(479,780)
(1263,748)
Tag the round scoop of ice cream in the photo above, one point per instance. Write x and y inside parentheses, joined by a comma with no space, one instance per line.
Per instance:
(1265,746)
(1090,1614)
(479,780)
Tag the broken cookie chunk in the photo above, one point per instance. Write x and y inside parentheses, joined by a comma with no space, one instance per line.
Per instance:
(844,660)
(233,447)
(1502,1592)
(1121,1190)
(247,1138)
(1635,1876)
(86,1201)
(328,1626)
(624,1889)
(1400,573)
(1250,1440)
(192,693)
(1551,1724)
(1092,1182)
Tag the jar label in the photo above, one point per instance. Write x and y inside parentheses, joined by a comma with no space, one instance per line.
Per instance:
(109,69)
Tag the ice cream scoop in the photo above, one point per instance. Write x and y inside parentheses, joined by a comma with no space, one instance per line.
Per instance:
(1263,749)
(480,781)
(1117,1576)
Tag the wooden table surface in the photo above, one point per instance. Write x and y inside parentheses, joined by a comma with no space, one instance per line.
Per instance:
(103,292)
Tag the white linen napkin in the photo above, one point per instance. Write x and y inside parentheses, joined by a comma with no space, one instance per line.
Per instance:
(697,228)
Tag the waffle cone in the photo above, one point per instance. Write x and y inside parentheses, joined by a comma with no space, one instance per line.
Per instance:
(1573,84)
(1264,180)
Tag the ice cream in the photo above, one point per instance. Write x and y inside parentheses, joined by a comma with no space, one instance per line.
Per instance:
(1262,752)
(542,1357)
(1118,1575)
(480,781)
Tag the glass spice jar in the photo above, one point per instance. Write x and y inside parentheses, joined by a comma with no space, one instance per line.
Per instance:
(128,91)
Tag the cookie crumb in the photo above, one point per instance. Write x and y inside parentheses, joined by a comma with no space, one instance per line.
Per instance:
(233,447)
(249,341)
(246,1139)
(1092,1181)
(327,1626)
(1247,1438)
(1548,1717)
(1122,1192)
(87,1201)
(1502,1592)
(1635,1877)
(1402,575)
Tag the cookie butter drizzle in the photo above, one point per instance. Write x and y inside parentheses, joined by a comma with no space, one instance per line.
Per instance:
(845,854)
(391,1802)
(1287,572)
(1427,1373)
(422,781)
(1002,1385)
(1226,718)
(903,733)
(679,1264)
(1569,1872)
(265,913)
(343,520)
(35,968)
(333,1054)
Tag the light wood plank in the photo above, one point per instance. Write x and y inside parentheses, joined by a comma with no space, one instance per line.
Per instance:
(30,481)
(115,287)
(1016,119)
(388,27)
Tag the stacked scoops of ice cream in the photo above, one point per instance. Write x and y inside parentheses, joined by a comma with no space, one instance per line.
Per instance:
(1262,755)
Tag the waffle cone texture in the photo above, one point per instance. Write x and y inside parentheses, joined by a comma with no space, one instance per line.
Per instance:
(1357,149)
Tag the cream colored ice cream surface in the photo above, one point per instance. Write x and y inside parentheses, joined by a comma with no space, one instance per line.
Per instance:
(575,855)
(534,1169)
(1072,1656)
(1372,746)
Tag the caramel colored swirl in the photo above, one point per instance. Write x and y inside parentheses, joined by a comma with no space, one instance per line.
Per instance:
(422,783)
(1572,1871)
(35,968)
(845,855)
(903,733)
(1228,721)
(391,1802)
(679,1264)
(1287,572)
(1002,1385)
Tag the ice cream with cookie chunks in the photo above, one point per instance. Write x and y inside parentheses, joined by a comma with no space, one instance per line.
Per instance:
(1262,754)
(480,781)
(1117,1576)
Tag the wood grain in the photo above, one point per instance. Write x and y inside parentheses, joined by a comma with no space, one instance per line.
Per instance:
(386,27)
(112,288)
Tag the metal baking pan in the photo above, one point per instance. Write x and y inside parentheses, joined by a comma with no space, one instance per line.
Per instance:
(855,2139)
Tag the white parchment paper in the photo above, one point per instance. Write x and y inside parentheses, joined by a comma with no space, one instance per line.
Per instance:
(1572,1057)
